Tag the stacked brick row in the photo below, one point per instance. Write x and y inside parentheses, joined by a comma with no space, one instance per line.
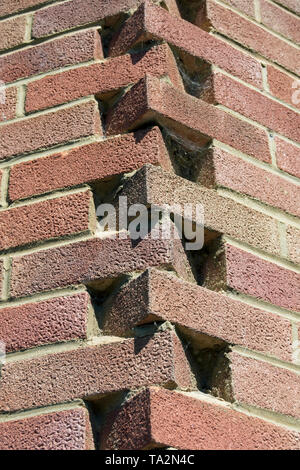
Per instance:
(116,345)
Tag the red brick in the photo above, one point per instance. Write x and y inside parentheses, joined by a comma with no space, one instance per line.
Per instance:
(48,130)
(102,79)
(158,295)
(89,163)
(292,5)
(253,105)
(293,243)
(241,30)
(263,385)
(246,6)
(68,50)
(191,118)
(14,6)
(60,430)
(1,276)
(93,371)
(287,157)
(46,220)
(94,260)
(280,20)
(282,86)
(251,275)
(153,22)
(68,15)
(12,32)
(8,103)
(49,321)
(149,420)
(152,185)
(222,169)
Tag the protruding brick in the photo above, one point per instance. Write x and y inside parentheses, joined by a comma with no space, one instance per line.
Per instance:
(244,272)
(287,157)
(249,34)
(46,220)
(222,169)
(14,6)
(252,104)
(68,50)
(49,321)
(152,185)
(102,79)
(264,385)
(12,32)
(94,371)
(191,118)
(158,295)
(94,260)
(157,417)
(283,86)
(153,22)
(8,102)
(92,162)
(280,20)
(50,129)
(293,243)
(61,430)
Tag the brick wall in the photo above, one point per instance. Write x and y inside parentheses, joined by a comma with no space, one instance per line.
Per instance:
(111,344)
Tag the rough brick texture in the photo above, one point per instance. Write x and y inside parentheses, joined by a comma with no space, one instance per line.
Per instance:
(12,32)
(196,424)
(8,103)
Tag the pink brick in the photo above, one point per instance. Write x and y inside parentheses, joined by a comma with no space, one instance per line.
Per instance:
(12,32)
(151,21)
(68,50)
(60,430)
(222,169)
(8,104)
(94,260)
(88,163)
(189,117)
(64,125)
(292,5)
(287,157)
(280,20)
(246,6)
(251,275)
(293,243)
(103,79)
(254,105)
(49,321)
(46,220)
(155,417)
(158,295)
(283,86)
(94,371)
(241,30)
(263,385)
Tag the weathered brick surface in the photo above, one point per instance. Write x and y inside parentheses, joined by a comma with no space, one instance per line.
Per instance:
(157,295)
(263,385)
(246,6)
(48,130)
(197,424)
(151,21)
(12,32)
(241,30)
(68,50)
(287,157)
(14,6)
(283,86)
(1,276)
(8,103)
(152,185)
(88,163)
(292,5)
(189,117)
(280,20)
(46,220)
(101,79)
(96,370)
(247,273)
(293,243)
(94,259)
(49,321)
(61,430)
(222,169)
(254,105)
